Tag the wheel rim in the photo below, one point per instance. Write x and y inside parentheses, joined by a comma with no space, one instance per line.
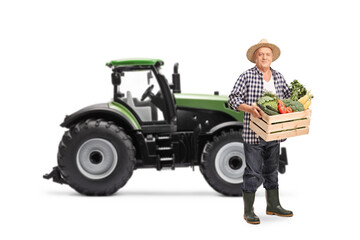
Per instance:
(96,158)
(230,162)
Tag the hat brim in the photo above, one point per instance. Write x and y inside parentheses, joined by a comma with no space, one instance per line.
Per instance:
(275,49)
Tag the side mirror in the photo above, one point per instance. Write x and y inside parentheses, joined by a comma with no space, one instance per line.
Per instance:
(116,81)
(149,76)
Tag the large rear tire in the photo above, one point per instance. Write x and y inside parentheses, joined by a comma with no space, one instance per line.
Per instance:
(223,163)
(96,157)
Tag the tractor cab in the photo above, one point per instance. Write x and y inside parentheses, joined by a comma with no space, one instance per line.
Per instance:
(144,91)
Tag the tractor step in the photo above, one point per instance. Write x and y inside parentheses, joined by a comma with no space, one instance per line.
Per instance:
(164,148)
(163,137)
(167,163)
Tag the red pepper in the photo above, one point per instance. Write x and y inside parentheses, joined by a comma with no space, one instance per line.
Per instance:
(281,107)
(289,110)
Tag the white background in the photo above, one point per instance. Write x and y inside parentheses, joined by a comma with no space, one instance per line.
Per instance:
(52,63)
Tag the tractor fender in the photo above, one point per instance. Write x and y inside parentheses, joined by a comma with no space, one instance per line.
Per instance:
(110,111)
(225,125)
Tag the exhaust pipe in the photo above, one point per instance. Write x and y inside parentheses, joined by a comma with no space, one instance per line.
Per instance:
(176,79)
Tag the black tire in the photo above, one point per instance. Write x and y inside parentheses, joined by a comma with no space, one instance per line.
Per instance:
(96,157)
(223,163)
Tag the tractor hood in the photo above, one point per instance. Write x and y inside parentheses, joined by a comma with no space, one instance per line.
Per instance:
(207,102)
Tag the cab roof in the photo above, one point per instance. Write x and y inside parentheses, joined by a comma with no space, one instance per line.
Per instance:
(135,62)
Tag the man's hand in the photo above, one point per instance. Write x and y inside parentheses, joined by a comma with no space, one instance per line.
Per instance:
(255,111)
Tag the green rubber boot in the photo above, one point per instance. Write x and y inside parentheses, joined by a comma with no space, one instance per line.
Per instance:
(273,204)
(249,214)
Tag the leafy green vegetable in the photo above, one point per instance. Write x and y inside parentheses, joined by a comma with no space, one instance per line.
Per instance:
(264,99)
(268,99)
(297,90)
(272,104)
(271,108)
(296,106)
(270,94)
(267,110)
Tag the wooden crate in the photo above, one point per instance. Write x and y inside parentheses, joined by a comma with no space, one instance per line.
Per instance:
(281,126)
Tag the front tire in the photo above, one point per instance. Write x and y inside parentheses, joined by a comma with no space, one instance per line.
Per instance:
(223,163)
(96,157)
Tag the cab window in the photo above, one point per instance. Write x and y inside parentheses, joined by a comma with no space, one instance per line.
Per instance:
(142,93)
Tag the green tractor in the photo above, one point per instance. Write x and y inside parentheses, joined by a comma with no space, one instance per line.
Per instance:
(159,128)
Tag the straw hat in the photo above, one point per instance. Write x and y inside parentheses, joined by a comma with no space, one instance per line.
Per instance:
(263,43)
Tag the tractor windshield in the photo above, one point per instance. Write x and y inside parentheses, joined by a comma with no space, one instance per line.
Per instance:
(142,93)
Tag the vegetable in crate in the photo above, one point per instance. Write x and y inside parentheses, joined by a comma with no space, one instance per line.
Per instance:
(296,106)
(268,110)
(282,108)
(297,90)
(306,100)
(307,104)
(268,103)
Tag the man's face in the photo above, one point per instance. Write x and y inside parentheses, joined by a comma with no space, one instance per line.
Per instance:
(263,57)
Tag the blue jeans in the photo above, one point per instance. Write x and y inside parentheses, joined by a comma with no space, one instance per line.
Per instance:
(262,161)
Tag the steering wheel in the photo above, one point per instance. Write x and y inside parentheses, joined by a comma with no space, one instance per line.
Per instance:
(147,92)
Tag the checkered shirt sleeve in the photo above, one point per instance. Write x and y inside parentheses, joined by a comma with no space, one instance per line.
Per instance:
(238,94)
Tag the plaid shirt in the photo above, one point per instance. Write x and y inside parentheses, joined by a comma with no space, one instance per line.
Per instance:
(248,89)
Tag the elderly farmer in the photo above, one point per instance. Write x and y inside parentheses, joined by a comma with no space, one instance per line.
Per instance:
(262,158)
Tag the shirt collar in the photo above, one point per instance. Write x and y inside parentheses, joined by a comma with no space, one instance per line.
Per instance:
(258,71)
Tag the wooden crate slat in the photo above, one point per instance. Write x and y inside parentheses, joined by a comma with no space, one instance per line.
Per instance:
(287,134)
(285,117)
(268,128)
(289,125)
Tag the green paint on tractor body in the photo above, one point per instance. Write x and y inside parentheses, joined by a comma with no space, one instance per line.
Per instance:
(207,102)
